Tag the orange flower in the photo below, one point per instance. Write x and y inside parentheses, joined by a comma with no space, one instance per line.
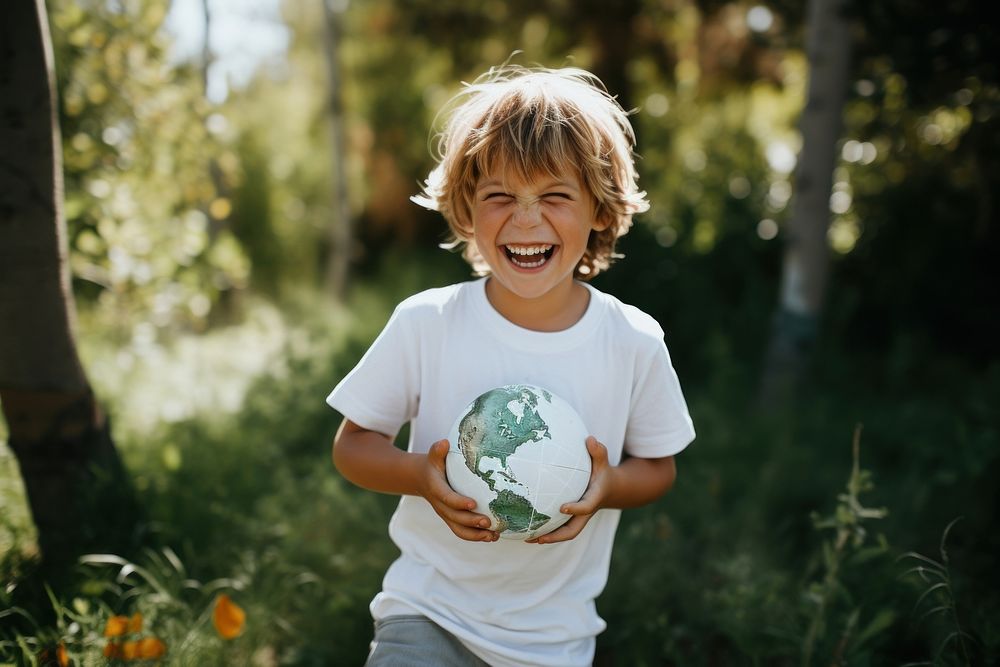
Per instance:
(151,648)
(112,650)
(130,650)
(135,623)
(116,627)
(228,617)
(61,656)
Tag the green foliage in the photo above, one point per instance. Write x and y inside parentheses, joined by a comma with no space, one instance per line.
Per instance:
(846,548)
(729,568)
(956,646)
(243,494)
(145,175)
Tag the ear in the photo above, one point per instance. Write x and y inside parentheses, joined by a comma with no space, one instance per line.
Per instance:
(602,222)
(462,225)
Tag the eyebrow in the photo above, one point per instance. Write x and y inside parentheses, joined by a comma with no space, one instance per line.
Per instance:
(494,182)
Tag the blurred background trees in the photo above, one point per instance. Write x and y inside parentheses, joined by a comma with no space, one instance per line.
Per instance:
(718,87)
(208,224)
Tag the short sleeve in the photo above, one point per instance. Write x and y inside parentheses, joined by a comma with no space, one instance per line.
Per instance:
(659,424)
(381,393)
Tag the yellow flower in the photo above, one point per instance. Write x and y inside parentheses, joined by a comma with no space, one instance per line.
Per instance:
(135,623)
(228,617)
(130,650)
(116,627)
(151,648)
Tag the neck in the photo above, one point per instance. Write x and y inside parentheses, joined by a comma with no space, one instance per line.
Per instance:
(554,311)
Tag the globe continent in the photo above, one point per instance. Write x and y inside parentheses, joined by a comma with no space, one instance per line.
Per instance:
(520,452)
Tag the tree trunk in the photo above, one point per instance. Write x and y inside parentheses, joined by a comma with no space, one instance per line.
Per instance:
(807,254)
(73,478)
(341,230)
(611,24)
(206,46)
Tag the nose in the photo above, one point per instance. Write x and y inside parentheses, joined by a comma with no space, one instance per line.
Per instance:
(527,214)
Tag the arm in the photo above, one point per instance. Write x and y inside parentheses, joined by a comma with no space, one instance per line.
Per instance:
(370,460)
(632,483)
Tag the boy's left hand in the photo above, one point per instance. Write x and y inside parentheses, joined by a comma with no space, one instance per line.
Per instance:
(584,509)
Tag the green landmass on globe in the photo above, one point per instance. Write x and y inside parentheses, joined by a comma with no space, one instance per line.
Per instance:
(515,513)
(491,429)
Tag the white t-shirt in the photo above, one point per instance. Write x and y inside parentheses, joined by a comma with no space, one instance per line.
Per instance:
(511,603)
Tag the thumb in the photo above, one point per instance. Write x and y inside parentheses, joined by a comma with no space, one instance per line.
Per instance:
(437,453)
(597,451)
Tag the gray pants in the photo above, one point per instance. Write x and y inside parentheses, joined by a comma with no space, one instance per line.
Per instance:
(416,641)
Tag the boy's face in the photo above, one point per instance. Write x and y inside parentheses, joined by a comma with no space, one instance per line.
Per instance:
(532,234)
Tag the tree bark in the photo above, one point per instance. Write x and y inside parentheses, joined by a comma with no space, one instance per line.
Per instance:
(807,255)
(341,236)
(74,481)
(206,46)
(611,24)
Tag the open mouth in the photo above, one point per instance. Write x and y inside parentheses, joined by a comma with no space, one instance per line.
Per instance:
(530,256)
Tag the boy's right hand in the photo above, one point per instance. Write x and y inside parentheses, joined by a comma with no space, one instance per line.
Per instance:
(454,508)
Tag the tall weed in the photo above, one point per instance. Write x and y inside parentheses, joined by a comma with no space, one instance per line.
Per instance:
(956,645)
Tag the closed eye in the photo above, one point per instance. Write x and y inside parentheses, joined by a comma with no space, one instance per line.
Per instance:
(502,196)
(558,195)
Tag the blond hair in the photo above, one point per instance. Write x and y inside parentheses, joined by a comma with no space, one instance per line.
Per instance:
(524,122)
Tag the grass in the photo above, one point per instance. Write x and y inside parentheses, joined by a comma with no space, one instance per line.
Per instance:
(227,436)
(955,648)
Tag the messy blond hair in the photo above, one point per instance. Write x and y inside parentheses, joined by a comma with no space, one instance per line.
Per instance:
(525,122)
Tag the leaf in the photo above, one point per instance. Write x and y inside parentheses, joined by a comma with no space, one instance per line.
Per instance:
(883,620)
(923,571)
(936,610)
(144,574)
(930,590)
(930,561)
(944,538)
(174,561)
(866,554)
(952,636)
(20,612)
(219,584)
(102,559)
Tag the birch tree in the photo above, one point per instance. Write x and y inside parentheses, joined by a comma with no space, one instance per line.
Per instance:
(341,236)
(807,254)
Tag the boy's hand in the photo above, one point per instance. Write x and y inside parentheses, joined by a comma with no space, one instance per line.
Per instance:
(584,509)
(454,508)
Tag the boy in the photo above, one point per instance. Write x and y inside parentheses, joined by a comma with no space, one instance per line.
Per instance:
(536,178)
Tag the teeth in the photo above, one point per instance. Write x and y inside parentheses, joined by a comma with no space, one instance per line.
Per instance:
(528,257)
(528,250)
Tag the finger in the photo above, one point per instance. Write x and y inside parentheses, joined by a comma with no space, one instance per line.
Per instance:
(438,453)
(452,499)
(598,452)
(449,497)
(474,534)
(566,532)
(440,488)
(586,505)
(464,518)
